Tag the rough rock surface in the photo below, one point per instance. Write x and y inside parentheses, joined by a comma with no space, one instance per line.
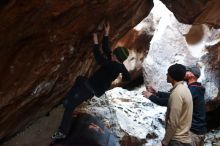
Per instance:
(134,119)
(195,12)
(45,45)
(121,110)
(174,42)
(137,40)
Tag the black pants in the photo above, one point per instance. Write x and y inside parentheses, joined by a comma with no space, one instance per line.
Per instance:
(80,92)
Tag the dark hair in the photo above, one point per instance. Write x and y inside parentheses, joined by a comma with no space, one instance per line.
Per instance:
(177,71)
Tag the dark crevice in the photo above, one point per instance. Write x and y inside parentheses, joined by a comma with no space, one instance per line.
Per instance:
(138,81)
(213,119)
(4,2)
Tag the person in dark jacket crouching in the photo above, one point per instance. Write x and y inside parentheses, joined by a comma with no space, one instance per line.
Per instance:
(198,128)
(111,65)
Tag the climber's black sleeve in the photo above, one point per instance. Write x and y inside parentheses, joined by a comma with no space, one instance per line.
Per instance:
(105,47)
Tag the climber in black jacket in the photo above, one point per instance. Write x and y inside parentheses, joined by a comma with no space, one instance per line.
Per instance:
(111,65)
(198,128)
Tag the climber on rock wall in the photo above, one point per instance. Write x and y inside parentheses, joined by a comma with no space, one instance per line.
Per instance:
(111,65)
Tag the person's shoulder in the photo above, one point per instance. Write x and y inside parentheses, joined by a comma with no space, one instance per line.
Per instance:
(182,89)
(116,63)
(112,64)
(196,86)
(180,86)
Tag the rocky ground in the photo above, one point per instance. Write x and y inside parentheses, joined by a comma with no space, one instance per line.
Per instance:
(127,112)
(38,134)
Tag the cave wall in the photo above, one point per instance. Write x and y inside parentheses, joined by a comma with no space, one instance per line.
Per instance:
(175,42)
(137,40)
(212,59)
(45,45)
(195,12)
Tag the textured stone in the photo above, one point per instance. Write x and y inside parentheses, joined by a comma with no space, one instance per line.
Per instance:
(45,45)
(137,41)
(134,120)
(212,61)
(195,12)
(174,42)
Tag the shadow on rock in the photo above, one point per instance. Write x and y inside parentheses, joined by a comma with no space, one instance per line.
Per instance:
(88,130)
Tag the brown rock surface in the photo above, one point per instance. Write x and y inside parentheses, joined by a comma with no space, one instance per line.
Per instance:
(195,12)
(137,42)
(45,45)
